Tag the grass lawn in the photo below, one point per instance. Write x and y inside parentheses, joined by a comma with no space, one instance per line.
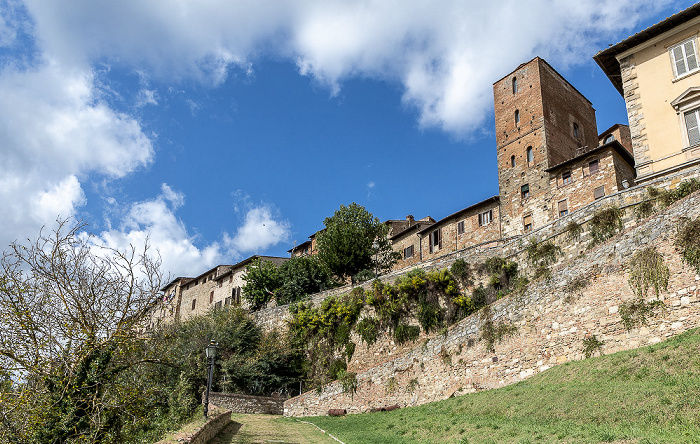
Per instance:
(647,395)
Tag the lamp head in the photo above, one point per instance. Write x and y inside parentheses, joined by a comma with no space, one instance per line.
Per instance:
(211,349)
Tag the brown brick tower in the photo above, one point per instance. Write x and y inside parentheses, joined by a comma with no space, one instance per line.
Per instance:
(541,121)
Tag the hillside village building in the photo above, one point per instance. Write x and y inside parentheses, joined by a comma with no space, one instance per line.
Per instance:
(551,159)
(657,72)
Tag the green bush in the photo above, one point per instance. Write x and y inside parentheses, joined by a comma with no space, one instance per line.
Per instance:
(636,312)
(648,270)
(406,333)
(592,344)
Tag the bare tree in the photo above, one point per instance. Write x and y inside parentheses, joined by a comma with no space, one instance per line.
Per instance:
(69,315)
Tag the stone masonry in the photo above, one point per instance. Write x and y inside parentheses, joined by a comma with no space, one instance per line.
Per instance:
(552,322)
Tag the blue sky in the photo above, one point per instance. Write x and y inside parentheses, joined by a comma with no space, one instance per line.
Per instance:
(222,129)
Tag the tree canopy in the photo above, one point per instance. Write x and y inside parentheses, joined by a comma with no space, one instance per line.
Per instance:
(353,241)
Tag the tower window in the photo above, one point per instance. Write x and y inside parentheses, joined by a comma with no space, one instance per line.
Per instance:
(515,85)
(512,161)
(563,208)
(576,130)
(517,117)
(525,191)
(527,222)
(530,156)
(566,177)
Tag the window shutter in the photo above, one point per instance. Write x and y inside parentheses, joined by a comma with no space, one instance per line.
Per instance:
(691,125)
(690,55)
(599,192)
(562,206)
(678,59)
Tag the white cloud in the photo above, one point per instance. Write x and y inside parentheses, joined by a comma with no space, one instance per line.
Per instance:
(55,132)
(446,53)
(155,221)
(259,232)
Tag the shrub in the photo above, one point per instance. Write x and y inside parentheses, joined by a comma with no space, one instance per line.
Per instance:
(491,332)
(412,385)
(461,271)
(348,381)
(575,287)
(636,312)
(541,256)
(368,329)
(648,270)
(606,223)
(405,333)
(688,243)
(592,344)
(390,385)
(573,231)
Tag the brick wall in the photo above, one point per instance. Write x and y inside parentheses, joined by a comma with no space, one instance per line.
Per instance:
(552,324)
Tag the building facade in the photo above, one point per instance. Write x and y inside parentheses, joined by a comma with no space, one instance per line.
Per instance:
(657,72)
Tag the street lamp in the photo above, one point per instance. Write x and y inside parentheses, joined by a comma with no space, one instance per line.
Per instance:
(211,354)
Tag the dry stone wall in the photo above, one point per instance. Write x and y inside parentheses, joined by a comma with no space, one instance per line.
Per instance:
(551,324)
(239,403)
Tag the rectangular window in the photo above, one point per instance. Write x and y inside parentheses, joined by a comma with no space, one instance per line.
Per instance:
(435,241)
(460,227)
(485,218)
(593,166)
(527,222)
(408,252)
(211,297)
(194,303)
(684,58)
(599,192)
(227,301)
(525,191)
(566,178)
(692,118)
(563,208)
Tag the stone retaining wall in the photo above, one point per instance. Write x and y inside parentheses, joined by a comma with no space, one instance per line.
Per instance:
(551,320)
(239,403)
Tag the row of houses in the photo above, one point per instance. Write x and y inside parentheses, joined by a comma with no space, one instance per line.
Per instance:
(551,158)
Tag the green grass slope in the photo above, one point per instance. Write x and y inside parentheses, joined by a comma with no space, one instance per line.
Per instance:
(647,395)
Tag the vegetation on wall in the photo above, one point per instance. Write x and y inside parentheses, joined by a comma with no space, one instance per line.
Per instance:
(493,332)
(606,223)
(647,270)
(657,198)
(688,243)
(573,230)
(541,256)
(591,344)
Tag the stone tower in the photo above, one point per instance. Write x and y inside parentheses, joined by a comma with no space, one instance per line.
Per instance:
(541,121)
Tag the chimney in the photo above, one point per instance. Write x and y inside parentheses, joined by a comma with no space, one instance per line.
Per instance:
(410,220)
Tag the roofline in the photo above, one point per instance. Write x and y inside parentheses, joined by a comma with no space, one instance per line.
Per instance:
(415,226)
(464,210)
(550,67)
(610,129)
(299,246)
(246,262)
(616,145)
(607,58)
(175,280)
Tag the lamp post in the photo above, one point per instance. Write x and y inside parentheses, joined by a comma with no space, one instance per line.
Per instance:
(211,354)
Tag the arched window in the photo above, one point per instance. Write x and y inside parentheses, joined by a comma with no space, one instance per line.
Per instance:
(515,85)
(609,138)
(512,160)
(517,117)
(575,130)
(530,156)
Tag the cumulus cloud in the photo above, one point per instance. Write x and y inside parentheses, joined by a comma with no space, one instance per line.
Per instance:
(55,131)
(259,232)
(446,53)
(155,221)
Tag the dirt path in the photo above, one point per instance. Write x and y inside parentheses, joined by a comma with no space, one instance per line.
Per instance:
(269,429)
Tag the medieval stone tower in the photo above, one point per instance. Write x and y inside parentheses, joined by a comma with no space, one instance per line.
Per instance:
(541,121)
